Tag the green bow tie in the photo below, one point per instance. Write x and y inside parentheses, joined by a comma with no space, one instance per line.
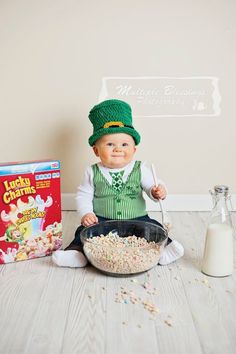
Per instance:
(117,181)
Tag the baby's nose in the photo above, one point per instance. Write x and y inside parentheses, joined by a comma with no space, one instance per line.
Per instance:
(117,148)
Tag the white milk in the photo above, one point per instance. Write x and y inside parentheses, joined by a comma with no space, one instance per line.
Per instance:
(218,254)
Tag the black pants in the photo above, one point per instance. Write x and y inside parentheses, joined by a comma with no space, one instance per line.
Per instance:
(76,244)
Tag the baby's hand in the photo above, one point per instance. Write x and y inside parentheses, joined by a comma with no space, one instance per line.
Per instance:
(89,219)
(159,192)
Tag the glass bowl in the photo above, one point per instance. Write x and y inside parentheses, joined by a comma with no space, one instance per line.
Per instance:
(123,247)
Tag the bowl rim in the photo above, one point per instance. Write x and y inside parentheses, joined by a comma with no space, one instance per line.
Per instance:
(84,239)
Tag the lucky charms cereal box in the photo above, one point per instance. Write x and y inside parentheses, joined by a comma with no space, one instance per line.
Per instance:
(30,210)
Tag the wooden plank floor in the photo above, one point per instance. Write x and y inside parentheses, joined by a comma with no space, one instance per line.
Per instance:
(47,309)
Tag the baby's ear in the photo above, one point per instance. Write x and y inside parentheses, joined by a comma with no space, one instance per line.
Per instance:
(95,149)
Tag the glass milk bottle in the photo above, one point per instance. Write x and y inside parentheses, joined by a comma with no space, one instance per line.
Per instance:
(218,253)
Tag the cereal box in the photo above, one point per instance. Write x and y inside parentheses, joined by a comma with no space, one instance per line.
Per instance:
(30,210)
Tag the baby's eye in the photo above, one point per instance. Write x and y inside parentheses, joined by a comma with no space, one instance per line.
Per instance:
(109,144)
(125,144)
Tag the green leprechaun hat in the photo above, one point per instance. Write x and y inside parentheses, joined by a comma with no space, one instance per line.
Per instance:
(110,117)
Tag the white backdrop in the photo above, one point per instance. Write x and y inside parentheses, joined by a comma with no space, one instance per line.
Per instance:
(57,55)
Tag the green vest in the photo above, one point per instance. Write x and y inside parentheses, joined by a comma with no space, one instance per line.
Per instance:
(126,204)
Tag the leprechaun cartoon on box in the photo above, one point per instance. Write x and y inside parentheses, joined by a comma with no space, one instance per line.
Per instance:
(112,189)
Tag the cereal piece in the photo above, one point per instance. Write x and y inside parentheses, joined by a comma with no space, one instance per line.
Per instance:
(147,285)
(150,307)
(168,323)
(134,280)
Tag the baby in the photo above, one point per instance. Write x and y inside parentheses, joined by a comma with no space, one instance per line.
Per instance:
(112,189)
